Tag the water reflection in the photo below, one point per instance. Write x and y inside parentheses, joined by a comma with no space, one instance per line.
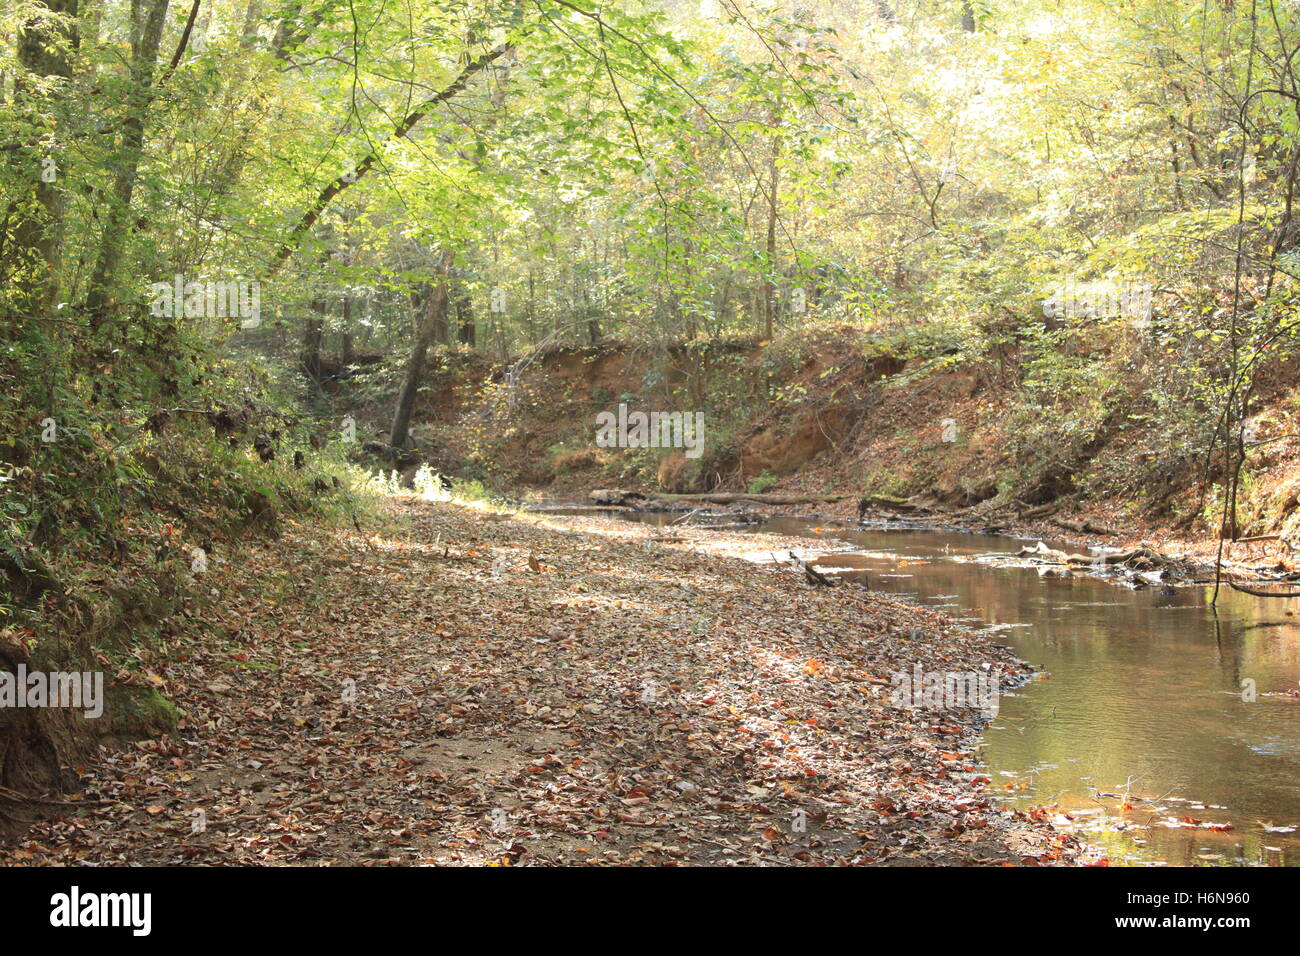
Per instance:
(1139,731)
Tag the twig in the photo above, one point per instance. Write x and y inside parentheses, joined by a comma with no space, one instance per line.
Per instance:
(17,797)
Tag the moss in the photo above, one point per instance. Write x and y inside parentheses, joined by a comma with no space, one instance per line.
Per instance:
(136,713)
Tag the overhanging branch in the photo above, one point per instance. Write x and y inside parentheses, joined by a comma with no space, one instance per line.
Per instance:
(344,180)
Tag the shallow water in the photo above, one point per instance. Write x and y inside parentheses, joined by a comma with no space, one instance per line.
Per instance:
(1138,726)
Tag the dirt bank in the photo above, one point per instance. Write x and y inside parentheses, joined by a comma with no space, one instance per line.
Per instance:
(982,438)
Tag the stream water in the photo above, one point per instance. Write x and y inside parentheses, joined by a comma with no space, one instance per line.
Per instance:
(1140,730)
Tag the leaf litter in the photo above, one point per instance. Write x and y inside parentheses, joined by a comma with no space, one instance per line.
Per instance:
(467,688)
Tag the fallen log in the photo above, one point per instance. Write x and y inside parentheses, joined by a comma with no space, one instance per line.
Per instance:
(615,496)
(1041,511)
(1265,537)
(889,501)
(1143,553)
(1124,557)
(890,504)
(1082,527)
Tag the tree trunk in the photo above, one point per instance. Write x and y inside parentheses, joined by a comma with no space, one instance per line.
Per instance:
(532,307)
(145,38)
(37,232)
(313,335)
(467,332)
(252,20)
(435,314)
(347,352)
(724,302)
(769,290)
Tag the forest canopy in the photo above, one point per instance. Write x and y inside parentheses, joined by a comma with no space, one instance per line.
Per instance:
(637,169)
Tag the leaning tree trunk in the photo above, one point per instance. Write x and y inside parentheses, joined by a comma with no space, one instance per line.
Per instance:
(435,316)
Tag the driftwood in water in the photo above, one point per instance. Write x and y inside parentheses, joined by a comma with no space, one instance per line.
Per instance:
(1141,553)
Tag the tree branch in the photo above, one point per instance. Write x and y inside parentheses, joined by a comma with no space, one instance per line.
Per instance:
(344,180)
(181,44)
